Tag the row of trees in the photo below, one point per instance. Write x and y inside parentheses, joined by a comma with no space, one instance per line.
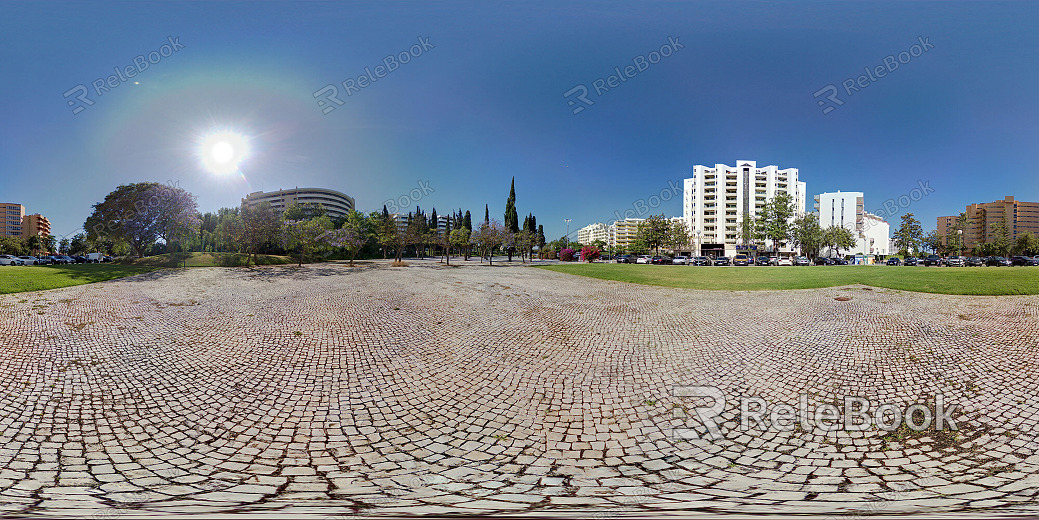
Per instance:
(910,239)
(150,218)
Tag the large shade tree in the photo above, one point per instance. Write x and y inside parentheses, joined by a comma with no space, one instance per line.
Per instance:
(139,214)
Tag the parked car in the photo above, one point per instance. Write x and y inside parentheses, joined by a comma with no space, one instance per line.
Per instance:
(974,261)
(680,260)
(933,260)
(762,260)
(955,261)
(30,260)
(802,260)
(1022,260)
(822,260)
(660,260)
(94,258)
(840,261)
(912,260)
(624,259)
(997,261)
(11,260)
(741,260)
(894,260)
(700,260)
(785,261)
(721,260)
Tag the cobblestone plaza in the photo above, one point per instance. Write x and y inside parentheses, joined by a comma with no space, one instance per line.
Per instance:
(372,390)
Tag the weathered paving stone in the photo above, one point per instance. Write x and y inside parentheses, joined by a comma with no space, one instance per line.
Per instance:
(397,391)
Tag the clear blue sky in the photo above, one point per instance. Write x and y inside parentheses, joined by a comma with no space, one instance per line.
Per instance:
(486,102)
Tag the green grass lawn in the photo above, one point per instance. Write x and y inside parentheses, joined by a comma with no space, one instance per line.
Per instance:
(15,279)
(942,280)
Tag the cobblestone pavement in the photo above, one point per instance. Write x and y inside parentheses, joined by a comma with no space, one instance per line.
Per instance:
(381,391)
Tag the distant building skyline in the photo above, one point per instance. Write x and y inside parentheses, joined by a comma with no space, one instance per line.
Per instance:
(1020,217)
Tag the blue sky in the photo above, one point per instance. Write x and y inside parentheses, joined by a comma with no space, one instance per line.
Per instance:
(486,102)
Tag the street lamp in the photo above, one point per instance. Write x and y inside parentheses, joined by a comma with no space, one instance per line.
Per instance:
(566,237)
(960,233)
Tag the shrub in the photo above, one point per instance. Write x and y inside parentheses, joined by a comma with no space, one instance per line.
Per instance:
(566,255)
(589,253)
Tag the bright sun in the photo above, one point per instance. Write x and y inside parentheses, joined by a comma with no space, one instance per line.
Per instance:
(222,152)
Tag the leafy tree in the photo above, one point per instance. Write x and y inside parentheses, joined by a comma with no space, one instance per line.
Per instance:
(1026,244)
(748,232)
(774,219)
(259,225)
(78,245)
(141,213)
(305,234)
(654,232)
(460,239)
(305,211)
(909,235)
(807,234)
(837,238)
(954,235)
(12,246)
(1001,243)
(677,236)
(488,238)
(34,244)
(229,231)
(63,246)
(933,241)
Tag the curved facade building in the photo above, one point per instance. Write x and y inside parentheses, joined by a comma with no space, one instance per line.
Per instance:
(336,204)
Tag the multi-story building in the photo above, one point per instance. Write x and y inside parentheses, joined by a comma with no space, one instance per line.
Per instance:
(983,220)
(11,216)
(847,209)
(716,198)
(944,225)
(622,233)
(35,225)
(592,232)
(336,204)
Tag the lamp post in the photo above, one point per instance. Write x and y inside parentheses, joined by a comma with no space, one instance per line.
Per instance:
(566,237)
(960,234)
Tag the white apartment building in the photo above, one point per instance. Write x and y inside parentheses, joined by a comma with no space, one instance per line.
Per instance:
(716,198)
(592,232)
(847,209)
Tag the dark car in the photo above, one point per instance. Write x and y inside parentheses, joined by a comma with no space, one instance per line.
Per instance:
(625,259)
(911,261)
(840,261)
(721,260)
(1022,260)
(660,260)
(894,260)
(997,261)
(802,260)
(974,261)
(822,260)
(741,260)
(700,260)
(933,260)
(762,260)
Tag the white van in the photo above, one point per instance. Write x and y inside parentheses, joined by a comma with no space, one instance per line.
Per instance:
(94,258)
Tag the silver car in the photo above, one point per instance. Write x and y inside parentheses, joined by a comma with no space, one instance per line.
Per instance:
(11,260)
(955,261)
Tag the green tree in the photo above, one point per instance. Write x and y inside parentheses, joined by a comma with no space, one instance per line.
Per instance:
(933,241)
(1001,242)
(511,216)
(807,234)
(306,235)
(259,225)
(654,232)
(1026,244)
(775,219)
(677,237)
(837,238)
(909,235)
